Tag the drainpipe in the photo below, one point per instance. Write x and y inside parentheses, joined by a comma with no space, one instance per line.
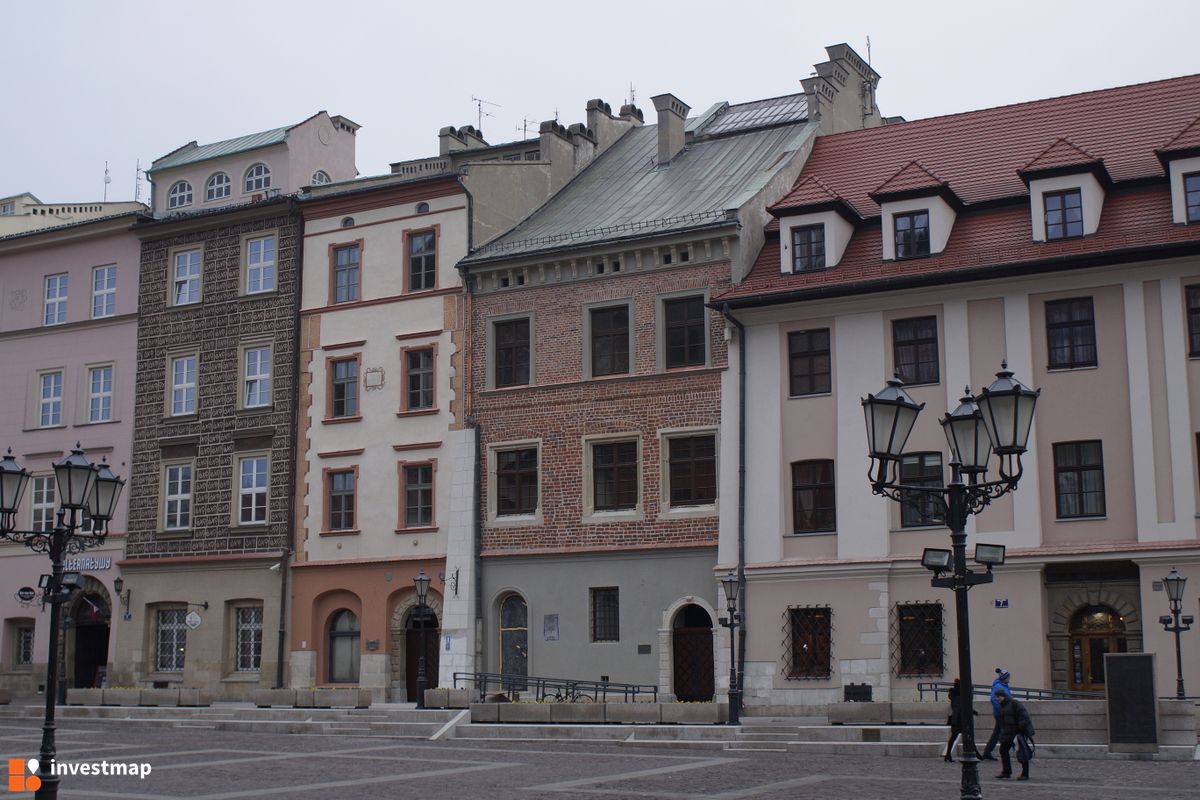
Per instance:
(285,552)
(741,508)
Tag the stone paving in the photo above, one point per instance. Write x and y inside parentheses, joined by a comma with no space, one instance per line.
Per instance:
(215,765)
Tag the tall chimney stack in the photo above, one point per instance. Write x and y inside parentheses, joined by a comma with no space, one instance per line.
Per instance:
(672,115)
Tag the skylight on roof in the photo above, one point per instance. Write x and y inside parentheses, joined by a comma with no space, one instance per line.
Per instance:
(760,114)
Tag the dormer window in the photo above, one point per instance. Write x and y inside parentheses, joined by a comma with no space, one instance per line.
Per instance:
(1191,190)
(1064,214)
(912,234)
(218,186)
(258,178)
(808,248)
(180,195)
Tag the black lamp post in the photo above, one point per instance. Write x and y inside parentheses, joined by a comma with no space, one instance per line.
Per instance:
(422,584)
(82,487)
(730,584)
(1174,583)
(997,421)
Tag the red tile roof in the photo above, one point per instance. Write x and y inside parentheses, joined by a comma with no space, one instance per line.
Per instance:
(980,154)
(808,191)
(911,176)
(1063,153)
(1187,139)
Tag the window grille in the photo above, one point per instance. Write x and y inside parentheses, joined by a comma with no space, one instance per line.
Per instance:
(807,642)
(918,640)
(249,639)
(171,640)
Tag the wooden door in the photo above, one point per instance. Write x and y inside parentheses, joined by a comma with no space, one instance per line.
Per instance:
(412,652)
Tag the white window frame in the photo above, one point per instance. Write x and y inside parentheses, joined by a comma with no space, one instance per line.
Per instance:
(217,189)
(175,516)
(50,405)
(256,378)
(258,178)
(104,291)
(179,195)
(320,178)
(259,476)
(43,497)
(100,399)
(260,269)
(183,391)
(55,299)
(190,279)
(246,620)
(8,209)
(178,629)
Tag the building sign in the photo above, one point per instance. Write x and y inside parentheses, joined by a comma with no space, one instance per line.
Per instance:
(88,564)
(192,620)
(26,594)
(1001,602)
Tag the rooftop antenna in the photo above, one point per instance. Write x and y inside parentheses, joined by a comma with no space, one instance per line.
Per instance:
(632,95)
(480,113)
(524,127)
(107,181)
(868,51)
(137,182)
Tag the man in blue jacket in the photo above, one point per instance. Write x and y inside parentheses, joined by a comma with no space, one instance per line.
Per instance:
(999,687)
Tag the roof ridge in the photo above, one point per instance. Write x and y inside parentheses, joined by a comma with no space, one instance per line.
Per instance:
(1060,140)
(919,166)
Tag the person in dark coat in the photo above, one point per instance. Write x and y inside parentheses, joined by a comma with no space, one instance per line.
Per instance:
(999,687)
(954,721)
(1014,723)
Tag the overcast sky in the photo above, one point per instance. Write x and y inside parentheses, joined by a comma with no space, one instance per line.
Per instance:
(118,81)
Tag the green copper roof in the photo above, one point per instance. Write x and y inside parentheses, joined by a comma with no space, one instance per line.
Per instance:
(191,152)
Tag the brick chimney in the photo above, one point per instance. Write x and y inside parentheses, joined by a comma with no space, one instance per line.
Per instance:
(672,115)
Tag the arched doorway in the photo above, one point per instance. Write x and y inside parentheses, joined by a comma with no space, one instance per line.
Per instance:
(343,647)
(1095,630)
(88,619)
(514,635)
(414,629)
(692,654)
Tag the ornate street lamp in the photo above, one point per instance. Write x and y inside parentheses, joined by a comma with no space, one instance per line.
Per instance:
(1174,623)
(732,589)
(422,584)
(998,421)
(86,491)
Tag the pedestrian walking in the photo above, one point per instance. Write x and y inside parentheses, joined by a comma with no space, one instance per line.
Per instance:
(1016,730)
(954,720)
(999,689)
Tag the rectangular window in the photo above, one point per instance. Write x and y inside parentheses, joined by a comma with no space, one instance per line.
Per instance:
(614,476)
(1079,479)
(256,377)
(343,388)
(684,324)
(516,481)
(44,489)
(606,616)
(918,509)
(418,365)
(252,490)
(808,248)
(186,286)
(418,496)
(813,507)
(918,646)
(809,362)
(512,352)
(249,639)
(342,503)
(171,640)
(422,261)
(260,265)
(610,340)
(100,393)
(177,508)
(693,470)
(915,349)
(56,300)
(104,291)
(10,209)
(1193,320)
(808,643)
(912,234)
(345,273)
(1191,189)
(1071,333)
(183,385)
(23,655)
(1064,214)
(50,396)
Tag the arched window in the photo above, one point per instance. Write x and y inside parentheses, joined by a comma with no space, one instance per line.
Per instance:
(347,222)
(422,208)
(180,195)
(514,636)
(258,177)
(319,177)
(218,186)
(343,647)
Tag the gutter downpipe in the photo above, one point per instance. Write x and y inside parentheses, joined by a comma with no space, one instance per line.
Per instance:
(741,513)
(285,552)
(468,282)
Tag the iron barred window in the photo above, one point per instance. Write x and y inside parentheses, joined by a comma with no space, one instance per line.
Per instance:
(807,642)
(809,362)
(605,614)
(171,640)
(249,639)
(693,470)
(918,644)
(808,248)
(918,509)
(1071,333)
(610,340)
(813,507)
(1064,214)
(912,234)
(915,349)
(23,657)
(685,332)
(615,476)
(517,481)
(1079,479)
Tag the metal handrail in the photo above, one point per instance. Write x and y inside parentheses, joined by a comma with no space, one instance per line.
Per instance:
(1019,692)
(561,690)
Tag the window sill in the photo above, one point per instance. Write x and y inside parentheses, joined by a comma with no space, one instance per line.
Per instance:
(244,411)
(687,512)
(686,368)
(1081,519)
(419,529)
(174,534)
(1080,368)
(935,526)
(611,376)
(514,520)
(253,295)
(243,677)
(197,304)
(170,418)
(97,422)
(615,515)
(811,394)
(908,385)
(341,420)
(510,387)
(420,412)
(45,428)
(347,532)
(806,534)
(250,530)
